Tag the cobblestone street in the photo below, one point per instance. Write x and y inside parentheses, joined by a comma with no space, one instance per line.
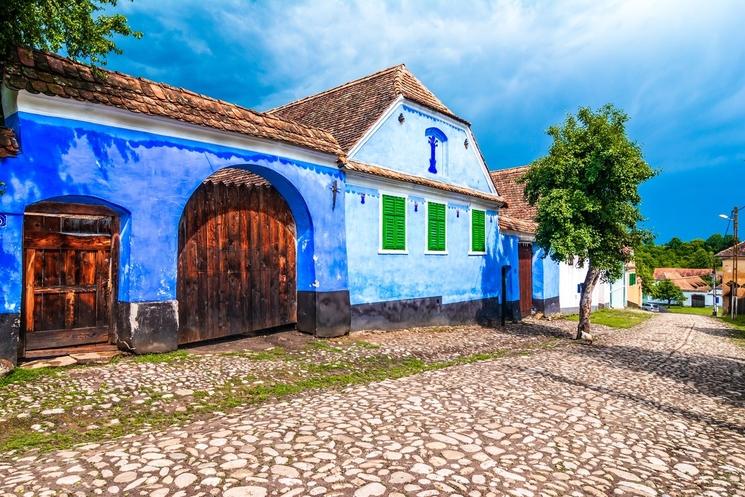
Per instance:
(649,411)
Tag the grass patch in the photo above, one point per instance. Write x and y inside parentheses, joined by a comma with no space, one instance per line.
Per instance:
(699,311)
(164,358)
(321,344)
(362,344)
(615,318)
(22,375)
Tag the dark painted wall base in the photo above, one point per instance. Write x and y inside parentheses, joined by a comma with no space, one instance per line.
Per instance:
(323,314)
(429,311)
(10,329)
(547,306)
(146,327)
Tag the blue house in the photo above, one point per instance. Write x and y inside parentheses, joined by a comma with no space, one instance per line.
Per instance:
(143,216)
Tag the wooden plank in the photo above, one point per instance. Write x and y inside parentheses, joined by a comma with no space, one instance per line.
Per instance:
(29,278)
(79,349)
(233,266)
(64,208)
(61,241)
(69,309)
(57,338)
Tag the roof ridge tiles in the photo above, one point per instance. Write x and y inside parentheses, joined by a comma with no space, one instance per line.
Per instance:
(337,88)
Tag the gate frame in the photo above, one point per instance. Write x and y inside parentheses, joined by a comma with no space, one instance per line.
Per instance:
(72,207)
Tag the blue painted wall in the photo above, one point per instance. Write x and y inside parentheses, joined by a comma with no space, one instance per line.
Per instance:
(405,147)
(150,178)
(545,275)
(456,277)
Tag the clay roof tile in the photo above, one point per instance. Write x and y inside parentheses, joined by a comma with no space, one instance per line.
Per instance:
(56,76)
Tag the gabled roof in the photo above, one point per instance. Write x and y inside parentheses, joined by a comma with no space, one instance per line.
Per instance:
(8,143)
(350,110)
(50,74)
(729,252)
(520,215)
(384,172)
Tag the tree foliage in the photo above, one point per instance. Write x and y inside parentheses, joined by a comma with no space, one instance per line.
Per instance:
(80,27)
(666,290)
(587,197)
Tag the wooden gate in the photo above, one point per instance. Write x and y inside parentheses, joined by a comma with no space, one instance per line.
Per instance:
(525,256)
(236,264)
(69,259)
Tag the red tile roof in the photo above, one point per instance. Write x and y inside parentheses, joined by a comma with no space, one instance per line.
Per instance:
(236,176)
(506,182)
(729,252)
(8,143)
(349,111)
(361,167)
(509,223)
(666,273)
(41,72)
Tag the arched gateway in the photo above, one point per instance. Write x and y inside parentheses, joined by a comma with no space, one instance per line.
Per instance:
(236,258)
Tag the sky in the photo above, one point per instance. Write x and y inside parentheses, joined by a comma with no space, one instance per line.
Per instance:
(510,67)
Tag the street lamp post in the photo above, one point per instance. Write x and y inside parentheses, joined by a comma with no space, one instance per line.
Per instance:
(735,250)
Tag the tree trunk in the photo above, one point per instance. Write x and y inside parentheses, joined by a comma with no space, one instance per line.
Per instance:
(585,301)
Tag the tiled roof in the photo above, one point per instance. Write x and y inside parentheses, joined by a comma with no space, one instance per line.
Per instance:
(666,273)
(349,110)
(512,224)
(236,176)
(41,72)
(383,172)
(8,143)
(506,182)
(729,252)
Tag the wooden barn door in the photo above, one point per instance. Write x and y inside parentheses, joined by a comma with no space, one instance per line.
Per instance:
(236,264)
(69,258)
(525,256)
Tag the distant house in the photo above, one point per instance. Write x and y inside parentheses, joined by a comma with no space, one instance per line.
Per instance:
(697,291)
(728,275)
(545,285)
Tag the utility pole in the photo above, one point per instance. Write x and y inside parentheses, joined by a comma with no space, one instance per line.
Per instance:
(736,250)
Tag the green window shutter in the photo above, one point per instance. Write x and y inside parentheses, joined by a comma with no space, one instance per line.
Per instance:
(632,279)
(436,227)
(478,231)
(394,223)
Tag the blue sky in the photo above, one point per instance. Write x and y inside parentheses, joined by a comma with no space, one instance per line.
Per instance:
(510,67)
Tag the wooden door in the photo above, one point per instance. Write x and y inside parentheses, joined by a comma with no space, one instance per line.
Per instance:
(236,264)
(525,256)
(69,259)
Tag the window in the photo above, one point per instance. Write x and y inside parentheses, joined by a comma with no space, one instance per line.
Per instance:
(436,227)
(393,223)
(632,279)
(437,141)
(478,231)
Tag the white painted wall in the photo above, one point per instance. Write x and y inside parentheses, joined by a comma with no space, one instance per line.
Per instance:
(570,277)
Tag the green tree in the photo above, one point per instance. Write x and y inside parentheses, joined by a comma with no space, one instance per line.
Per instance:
(587,197)
(701,258)
(666,290)
(80,27)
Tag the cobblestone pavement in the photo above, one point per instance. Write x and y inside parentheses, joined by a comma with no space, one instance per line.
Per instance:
(655,410)
(170,383)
